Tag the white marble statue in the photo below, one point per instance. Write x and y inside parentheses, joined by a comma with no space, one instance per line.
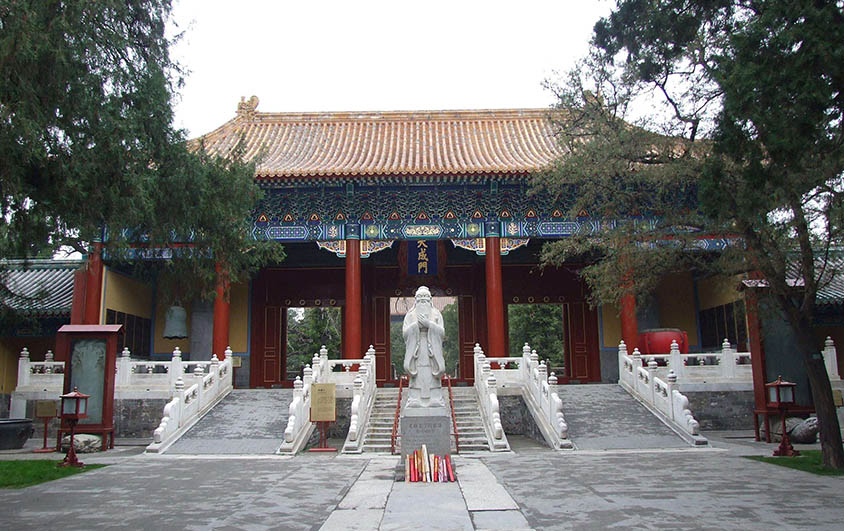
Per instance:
(423,333)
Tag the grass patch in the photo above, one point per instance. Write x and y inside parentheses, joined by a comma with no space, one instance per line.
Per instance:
(19,474)
(808,461)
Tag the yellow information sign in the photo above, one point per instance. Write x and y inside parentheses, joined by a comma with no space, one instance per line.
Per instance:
(46,408)
(322,402)
(837,399)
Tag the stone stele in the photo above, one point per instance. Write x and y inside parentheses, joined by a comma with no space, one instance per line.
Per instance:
(428,426)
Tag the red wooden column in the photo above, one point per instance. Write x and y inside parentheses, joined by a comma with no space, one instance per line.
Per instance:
(629,323)
(757,350)
(220,339)
(93,285)
(494,294)
(353,322)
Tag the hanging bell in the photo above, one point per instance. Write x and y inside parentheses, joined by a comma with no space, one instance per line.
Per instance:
(176,323)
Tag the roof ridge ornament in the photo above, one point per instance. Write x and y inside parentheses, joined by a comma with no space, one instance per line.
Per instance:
(246,109)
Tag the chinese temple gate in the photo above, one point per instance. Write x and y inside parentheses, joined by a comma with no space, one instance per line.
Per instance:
(371,205)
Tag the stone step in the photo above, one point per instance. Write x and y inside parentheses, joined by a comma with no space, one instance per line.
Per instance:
(377,440)
(466,414)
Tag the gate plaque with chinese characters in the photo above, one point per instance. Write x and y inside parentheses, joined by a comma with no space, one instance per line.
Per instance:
(323,402)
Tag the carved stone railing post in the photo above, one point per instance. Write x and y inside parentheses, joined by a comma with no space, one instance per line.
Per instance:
(48,357)
(671,383)
(356,405)
(23,367)
(637,359)
(652,368)
(676,362)
(295,411)
(622,361)
(480,361)
(124,367)
(830,359)
(315,367)
(727,360)
(176,368)
(524,366)
(494,409)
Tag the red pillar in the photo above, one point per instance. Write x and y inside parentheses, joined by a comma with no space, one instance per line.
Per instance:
(353,325)
(220,339)
(757,350)
(629,323)
(494,299)
(93,285)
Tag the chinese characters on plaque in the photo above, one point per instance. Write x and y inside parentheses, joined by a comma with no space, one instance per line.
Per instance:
(422,257)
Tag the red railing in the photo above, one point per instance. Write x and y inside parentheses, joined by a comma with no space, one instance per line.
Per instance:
(396,418)
(447,378)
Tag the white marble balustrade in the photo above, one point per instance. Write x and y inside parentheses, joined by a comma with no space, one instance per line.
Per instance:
(526,376)
(643,382)
(724,366)
(486,385)
(194,393)
(358,383)
(362,402)
(540,392)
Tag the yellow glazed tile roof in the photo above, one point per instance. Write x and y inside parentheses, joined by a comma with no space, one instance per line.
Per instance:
(388,143)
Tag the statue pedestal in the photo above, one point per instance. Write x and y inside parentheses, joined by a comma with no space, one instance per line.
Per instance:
(430,426)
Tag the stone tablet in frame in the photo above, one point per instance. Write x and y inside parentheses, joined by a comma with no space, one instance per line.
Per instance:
(90,353)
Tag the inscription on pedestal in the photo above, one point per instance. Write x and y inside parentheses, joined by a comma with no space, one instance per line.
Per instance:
(431,430)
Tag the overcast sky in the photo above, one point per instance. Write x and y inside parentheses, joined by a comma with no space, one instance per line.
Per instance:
(321,55)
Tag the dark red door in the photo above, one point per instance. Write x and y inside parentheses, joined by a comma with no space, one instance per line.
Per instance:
(381,338)
(266,363)
(581,335)
(469,335)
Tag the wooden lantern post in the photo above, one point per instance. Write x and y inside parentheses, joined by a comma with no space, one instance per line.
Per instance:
(74,408)
(781,396)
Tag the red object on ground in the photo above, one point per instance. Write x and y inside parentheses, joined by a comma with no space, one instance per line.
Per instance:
(658,340)
(448,466)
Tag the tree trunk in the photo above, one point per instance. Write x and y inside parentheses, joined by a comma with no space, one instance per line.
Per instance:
(830,431)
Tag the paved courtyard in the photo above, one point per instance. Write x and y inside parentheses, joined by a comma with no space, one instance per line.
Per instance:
(532,487)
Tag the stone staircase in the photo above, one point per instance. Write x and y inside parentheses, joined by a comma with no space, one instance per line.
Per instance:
(469,425)
(380,427)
